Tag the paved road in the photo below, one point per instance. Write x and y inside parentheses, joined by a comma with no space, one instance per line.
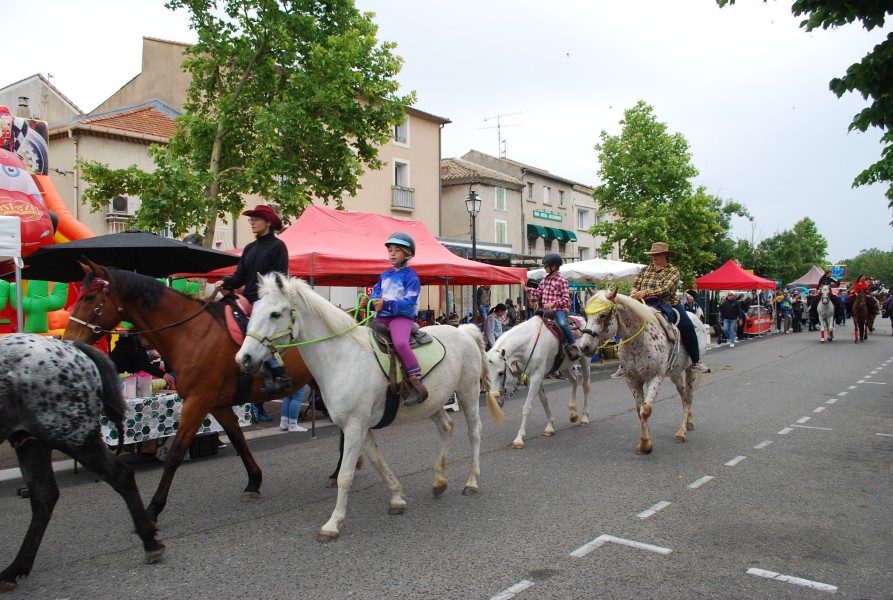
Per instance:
(783,490)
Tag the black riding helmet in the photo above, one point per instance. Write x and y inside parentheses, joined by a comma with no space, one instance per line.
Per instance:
(403,239)
(552,259)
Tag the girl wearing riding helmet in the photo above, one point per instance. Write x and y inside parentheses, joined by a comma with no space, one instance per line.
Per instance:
(554,294)
(396,299)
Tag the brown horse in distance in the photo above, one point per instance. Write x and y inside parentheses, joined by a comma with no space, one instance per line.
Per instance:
(192,337)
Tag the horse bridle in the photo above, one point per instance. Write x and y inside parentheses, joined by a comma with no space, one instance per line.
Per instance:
(271,341)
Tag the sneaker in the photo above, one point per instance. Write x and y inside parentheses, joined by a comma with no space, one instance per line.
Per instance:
(619,373)
(700,367)
(293,426)
(283,423)
(731,345)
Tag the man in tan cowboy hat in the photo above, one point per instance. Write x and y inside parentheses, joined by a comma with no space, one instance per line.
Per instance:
(659,279)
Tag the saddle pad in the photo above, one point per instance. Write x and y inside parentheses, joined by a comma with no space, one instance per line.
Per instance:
(428,355)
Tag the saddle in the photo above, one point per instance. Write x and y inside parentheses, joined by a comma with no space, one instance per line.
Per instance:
(551,323)
(669,322)
(237,311)
(382,336)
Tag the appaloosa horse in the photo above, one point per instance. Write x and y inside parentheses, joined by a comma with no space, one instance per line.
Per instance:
(51,395)
(646,352)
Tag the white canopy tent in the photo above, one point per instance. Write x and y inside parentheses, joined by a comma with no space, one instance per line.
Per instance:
(595,270)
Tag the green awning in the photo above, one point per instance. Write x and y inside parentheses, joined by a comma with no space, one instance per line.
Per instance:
(571,236)
(556,234)
(537,231)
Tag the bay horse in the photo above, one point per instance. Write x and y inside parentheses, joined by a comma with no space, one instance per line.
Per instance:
(825,310)
(861,319)
(192,337)
(51,395)
(533,346)
(339,353)
(646,352)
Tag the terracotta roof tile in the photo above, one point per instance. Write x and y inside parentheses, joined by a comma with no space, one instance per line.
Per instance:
(457,170)
(144,120)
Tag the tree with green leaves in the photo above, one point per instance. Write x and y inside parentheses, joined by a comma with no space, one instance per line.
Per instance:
(787,255)
(288,100)
(874,263)
(872,77)
(646,175)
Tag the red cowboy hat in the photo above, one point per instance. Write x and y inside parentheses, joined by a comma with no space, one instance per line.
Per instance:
(267,214)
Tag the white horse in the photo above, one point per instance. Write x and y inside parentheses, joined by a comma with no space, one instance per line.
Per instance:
(825,309)
(646,353)
(339,354)
(533,348)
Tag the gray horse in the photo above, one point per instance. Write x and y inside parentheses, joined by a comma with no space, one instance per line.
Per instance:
(51,394)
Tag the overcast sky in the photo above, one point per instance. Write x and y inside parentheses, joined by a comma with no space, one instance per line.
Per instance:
(746,87)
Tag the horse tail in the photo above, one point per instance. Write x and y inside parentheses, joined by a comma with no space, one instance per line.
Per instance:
(492,404)
(112,399)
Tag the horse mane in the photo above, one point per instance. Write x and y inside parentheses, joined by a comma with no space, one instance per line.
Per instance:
(509,337)
(133,287)
(330,315)
(641,311)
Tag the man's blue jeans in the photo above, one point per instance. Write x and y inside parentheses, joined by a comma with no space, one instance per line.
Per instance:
(730,328)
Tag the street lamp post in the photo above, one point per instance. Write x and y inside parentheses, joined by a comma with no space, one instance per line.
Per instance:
(473,206)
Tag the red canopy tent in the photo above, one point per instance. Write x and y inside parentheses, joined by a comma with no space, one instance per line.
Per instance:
(732,277)
(339,248)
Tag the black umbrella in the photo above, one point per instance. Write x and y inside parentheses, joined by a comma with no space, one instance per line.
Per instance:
(145,253)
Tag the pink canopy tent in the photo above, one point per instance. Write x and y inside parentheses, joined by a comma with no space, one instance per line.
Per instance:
(810,279)
(732,277)
(341,248)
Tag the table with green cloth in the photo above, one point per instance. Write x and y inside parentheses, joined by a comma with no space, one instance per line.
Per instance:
(156,417)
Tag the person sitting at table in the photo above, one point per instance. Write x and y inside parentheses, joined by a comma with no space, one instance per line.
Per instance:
(133,353)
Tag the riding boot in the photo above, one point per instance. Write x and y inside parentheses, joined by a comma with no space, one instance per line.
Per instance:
(276,380)
(572,352)
(421,392)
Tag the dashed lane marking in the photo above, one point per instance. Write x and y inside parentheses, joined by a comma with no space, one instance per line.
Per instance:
(604,539)
(803,419)
(699,482)
(842,394)
(852,387)
(762,444)
(820,409)
(785,431)
(830,400)
(824,587)
(735,461)
(511,592)
(651,511)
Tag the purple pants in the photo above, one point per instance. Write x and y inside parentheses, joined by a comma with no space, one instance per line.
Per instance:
(400,328)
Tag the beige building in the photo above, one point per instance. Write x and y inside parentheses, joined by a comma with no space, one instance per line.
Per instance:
(36,98)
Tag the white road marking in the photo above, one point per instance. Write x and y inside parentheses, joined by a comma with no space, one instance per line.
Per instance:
(830,400)
(696,484)
(867,376)
(509,593)
(841,394)
(861,381)
(785,431)
(810,427)
(762,445)
(819,409)
(803,419)
(650,512)
(885,434)
(874,372)
(852,387)
(824,587)
(877,382)
(604,539)
(735,461)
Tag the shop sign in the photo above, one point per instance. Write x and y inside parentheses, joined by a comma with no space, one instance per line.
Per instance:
(548,215)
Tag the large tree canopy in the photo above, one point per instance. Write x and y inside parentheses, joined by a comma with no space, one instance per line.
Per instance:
(872,76)
(289,100)
(791,253)
(646,185)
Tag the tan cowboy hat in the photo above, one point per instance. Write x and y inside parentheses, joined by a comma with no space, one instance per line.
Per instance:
(660,248)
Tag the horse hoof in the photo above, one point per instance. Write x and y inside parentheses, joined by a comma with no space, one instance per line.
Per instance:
(153,555)
(548,433)
(574,418)
(690,426)
(518,445)
(332,483)
(7,586)
(469,491)
(250,496)
(439,490)
(584,424)
(324,537)
(680,438)
(396,509)
(640,450)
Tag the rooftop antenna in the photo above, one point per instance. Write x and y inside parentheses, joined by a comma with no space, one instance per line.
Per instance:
(498,128)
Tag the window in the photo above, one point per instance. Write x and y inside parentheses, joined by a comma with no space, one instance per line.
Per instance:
(547,245)
(583,217)
(501,229)
(401,132)
(562,247)
(583,253)
(560,197)
(531,245)
(401,174)
(500,198)
(546,199)
(401,193)
(530,191)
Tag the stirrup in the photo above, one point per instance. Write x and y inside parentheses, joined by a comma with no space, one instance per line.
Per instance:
(421,391)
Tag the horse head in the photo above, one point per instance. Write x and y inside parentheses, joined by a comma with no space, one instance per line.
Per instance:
(273,321)
(91,318)
(600,322)
(826,293)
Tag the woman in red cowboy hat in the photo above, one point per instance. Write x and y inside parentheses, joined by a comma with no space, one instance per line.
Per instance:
(266,254)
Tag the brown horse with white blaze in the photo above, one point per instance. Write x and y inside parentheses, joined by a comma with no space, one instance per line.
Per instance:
(192,337)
